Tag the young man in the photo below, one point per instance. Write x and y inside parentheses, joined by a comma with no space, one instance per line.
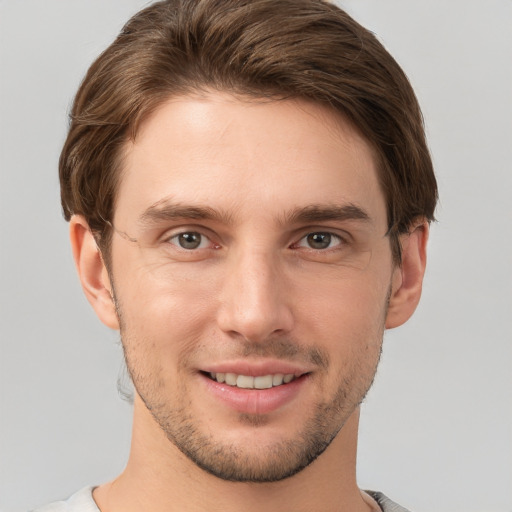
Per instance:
(249,194)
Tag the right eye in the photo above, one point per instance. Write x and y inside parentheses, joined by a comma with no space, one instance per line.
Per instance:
(320,240)
(190,240)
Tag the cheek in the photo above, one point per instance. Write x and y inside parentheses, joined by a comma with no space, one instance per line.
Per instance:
(347,319)
(151,291)
(344,305)
(162,320)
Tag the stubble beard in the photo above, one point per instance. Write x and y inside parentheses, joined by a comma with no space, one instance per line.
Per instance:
(280,460)
(272,463)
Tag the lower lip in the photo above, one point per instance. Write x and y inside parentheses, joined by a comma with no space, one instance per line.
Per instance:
(255,401)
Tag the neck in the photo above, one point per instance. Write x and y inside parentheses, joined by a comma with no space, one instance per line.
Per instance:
(158,477)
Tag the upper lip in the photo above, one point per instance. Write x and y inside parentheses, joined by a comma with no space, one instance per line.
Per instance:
(257,368)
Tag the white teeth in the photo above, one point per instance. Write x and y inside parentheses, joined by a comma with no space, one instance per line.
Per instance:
(248,382)
(277,379)
(243,381)
(264,382)
(231,379)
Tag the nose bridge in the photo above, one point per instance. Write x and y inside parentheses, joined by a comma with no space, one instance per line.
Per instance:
(254,297)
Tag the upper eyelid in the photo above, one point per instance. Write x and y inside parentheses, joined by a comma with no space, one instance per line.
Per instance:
(166,243)
(175,236)
(340,238)
(179,230)
(343,234)
(215,237)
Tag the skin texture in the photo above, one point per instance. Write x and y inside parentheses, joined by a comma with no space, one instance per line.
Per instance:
(249,182)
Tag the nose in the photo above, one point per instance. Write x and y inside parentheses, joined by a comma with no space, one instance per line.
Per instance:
(254,298)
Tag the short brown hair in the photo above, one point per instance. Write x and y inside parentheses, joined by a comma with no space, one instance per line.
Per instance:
(262,48)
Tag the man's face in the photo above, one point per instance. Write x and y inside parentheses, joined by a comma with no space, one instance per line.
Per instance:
(250,250)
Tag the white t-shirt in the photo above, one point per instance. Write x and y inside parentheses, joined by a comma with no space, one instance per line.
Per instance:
(82,501)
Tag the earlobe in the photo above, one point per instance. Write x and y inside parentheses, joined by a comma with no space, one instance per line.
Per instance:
(92,271)
(408,277)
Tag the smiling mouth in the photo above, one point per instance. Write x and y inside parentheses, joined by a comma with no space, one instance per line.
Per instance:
(249,382)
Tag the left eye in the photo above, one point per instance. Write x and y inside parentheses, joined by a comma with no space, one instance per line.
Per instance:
(320,240)
(190,240)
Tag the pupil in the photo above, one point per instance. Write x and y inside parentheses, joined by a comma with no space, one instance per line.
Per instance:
(319,240)
(190,240)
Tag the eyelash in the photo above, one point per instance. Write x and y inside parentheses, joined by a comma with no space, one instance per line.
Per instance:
(331,236)
(202,236)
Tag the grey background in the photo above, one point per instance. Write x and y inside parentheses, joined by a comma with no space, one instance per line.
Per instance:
(436,431)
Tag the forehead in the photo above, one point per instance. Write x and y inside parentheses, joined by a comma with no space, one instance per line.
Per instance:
(247,157)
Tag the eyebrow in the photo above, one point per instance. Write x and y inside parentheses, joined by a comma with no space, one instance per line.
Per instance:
(322,213)
(166,210)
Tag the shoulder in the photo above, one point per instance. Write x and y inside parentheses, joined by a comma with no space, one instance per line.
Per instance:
(82,501)
(385,503)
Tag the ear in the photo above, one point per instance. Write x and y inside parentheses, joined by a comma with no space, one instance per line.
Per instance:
(408,277)
(92,271)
